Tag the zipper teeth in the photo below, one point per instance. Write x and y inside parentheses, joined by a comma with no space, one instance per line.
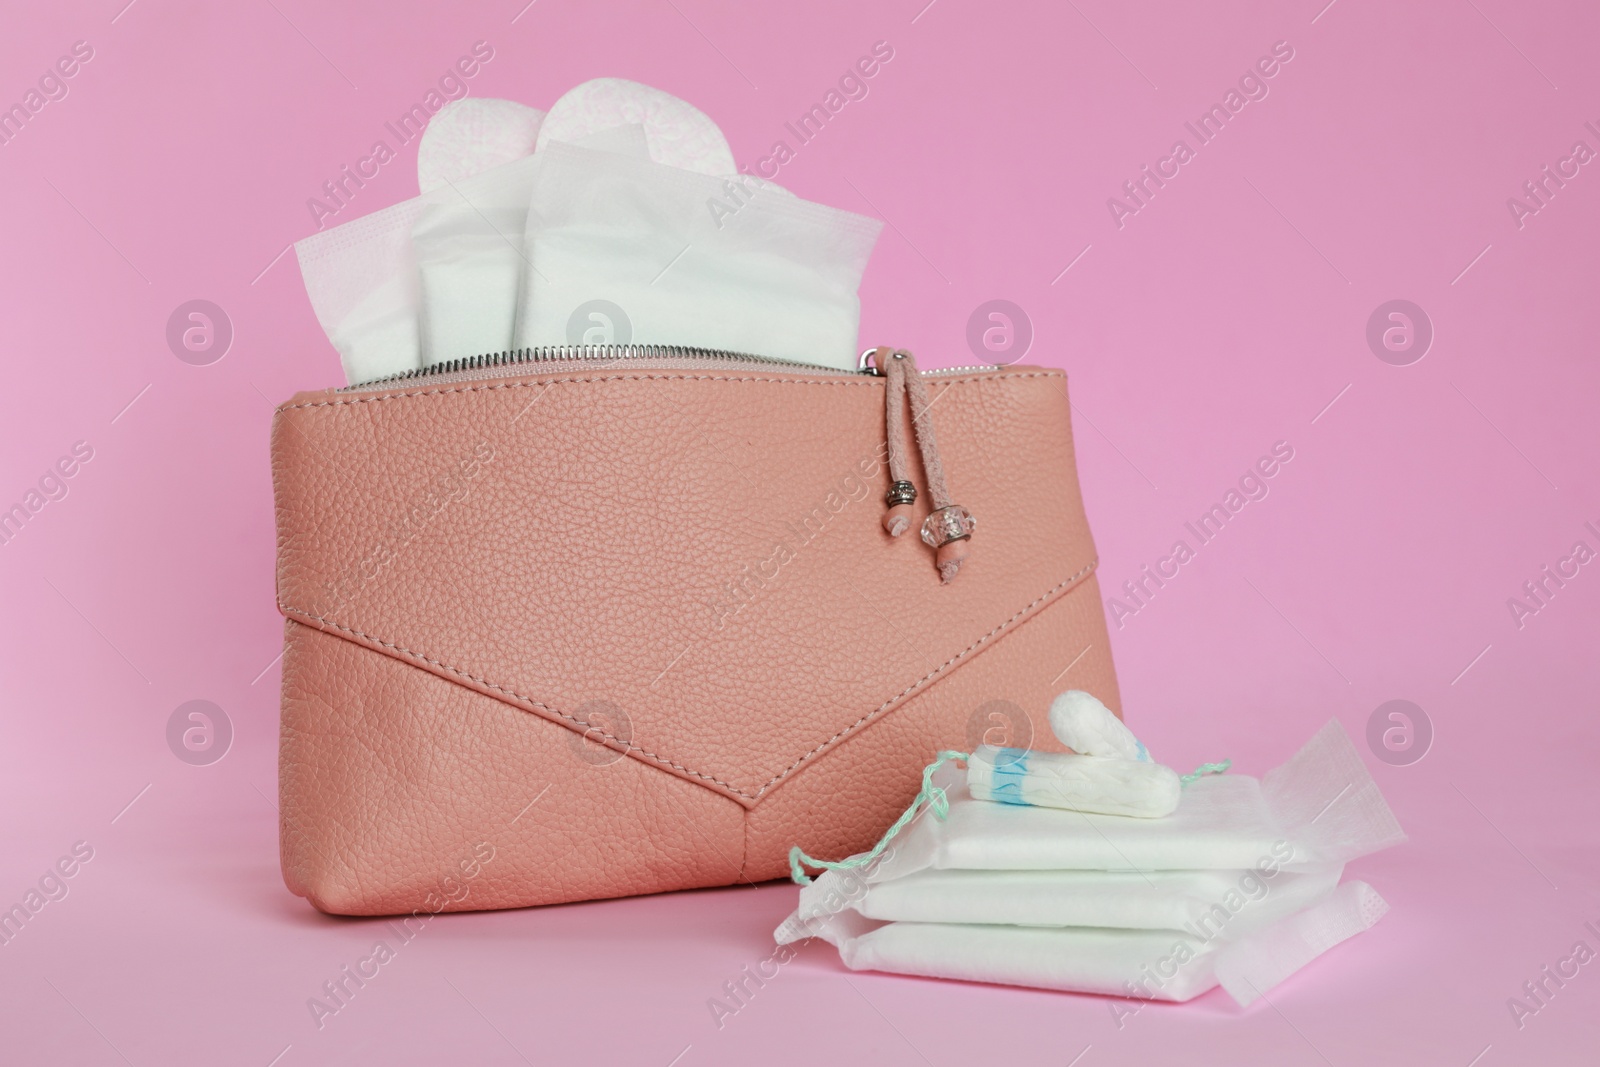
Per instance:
(518,357)
(566,353)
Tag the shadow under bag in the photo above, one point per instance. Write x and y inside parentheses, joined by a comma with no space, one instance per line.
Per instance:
(588,629)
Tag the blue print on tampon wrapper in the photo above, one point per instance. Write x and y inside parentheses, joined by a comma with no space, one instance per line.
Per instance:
(1010,768)
(1143,754)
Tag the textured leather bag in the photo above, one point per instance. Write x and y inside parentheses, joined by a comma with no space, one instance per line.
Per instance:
(561,629)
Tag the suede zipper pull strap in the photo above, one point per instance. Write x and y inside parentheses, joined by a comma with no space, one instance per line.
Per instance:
(949,526)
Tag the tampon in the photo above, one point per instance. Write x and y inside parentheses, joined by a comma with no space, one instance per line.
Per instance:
(1081,783)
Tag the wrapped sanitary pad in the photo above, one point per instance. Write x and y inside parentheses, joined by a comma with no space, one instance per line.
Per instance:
(471,135)
(468,247)
(468,243)
(1322,804)
(691,259)
(362,281)
(1203,902)
(433,278)
(1172,965)
(678,133)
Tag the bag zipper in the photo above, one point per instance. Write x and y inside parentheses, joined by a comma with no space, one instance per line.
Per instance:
(946,530)
(525,360)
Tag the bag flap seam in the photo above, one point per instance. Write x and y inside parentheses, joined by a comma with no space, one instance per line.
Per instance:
(1059,587)
(629,746)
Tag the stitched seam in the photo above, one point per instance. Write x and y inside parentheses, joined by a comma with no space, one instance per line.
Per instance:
(630,746)
(325,623)
(744,844)
(492,386)
(963,654)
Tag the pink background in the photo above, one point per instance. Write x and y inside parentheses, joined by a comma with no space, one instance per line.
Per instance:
(1223,317)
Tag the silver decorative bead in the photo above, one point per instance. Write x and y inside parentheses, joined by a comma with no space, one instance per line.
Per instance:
(901,492)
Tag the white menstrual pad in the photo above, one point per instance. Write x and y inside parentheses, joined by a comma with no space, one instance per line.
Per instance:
(472,135)
(679,134)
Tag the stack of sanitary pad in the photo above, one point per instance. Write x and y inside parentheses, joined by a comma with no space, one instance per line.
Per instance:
(1238,886)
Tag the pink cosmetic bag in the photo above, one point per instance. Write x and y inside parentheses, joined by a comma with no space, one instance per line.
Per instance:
(561,627)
